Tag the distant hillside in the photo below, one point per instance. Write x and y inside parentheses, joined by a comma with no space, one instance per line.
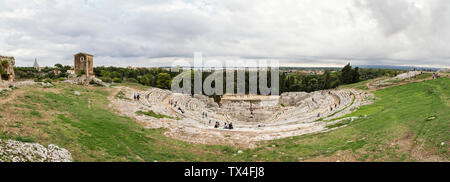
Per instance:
(397,67)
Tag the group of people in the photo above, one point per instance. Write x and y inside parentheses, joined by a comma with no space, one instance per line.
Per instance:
(228,126)
(205,114)
(175,104)
(172,103)
(436,76)
(137,96)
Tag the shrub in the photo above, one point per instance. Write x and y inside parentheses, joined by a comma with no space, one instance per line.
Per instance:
(153,114)
(106,79)
(132,80)
(5,63)
(38,79)
(117,80)
(25,139)
(35,113)
(121,95)
(48,80)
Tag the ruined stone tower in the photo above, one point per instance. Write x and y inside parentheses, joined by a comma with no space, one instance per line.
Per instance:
(7,68)
(84,62)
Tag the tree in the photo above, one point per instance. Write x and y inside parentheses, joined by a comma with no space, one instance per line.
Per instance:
(105,73)
(144,80)
(346,74)
(355,75)
(163,81)
(106,79)
(147,79)
(59,66)
(327,81)
(116,74)
(65,68)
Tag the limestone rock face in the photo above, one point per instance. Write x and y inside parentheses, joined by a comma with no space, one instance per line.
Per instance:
(99,82)
(209,102)
(445,70)
(15,151)
(292,98)
(83,80)
(7,65)
(407,75)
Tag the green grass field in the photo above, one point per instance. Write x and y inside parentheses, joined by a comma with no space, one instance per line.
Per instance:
(406,123)
(356,85)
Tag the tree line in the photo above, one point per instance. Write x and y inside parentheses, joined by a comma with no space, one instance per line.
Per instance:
(289,81)
(295,81)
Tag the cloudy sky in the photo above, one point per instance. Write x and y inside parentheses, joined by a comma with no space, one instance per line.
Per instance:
(295,32)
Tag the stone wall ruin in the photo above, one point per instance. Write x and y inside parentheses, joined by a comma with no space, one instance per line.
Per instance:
(7,68)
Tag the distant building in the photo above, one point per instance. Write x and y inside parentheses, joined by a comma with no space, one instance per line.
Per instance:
(71,72)
(36,65)
(7,64)
(57,72)
(84,62)
(131,68)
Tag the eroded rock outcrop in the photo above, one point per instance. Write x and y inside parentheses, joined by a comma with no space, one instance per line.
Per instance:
(7,68)
(83,80)
(15,151)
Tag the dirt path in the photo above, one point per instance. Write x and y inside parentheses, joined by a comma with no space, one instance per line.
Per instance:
(370,84)
(115,91)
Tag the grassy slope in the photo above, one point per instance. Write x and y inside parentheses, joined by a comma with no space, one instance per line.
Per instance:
(356,85)
(396,126)
(399,115)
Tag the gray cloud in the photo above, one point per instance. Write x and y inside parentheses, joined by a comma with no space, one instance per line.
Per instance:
(153,33)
